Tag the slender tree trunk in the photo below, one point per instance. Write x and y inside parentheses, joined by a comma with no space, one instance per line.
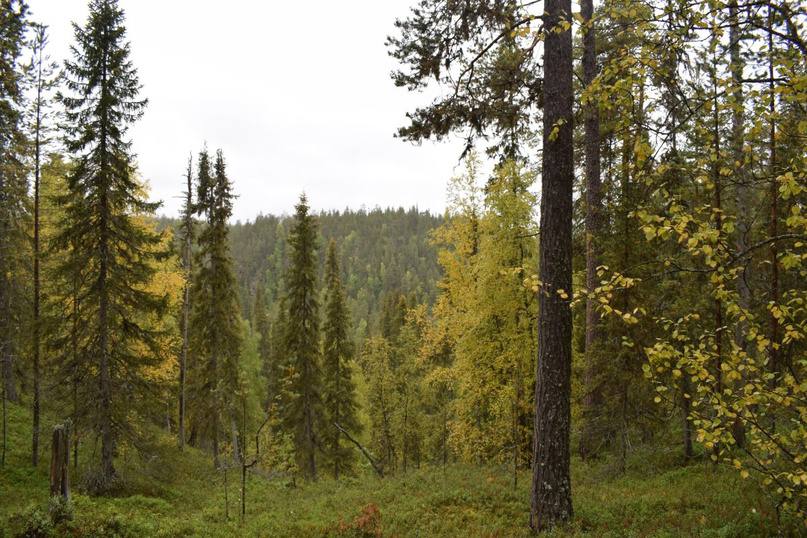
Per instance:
(186,301)
(773,223)
(743,192)
(405,433)
(8,370)
(104,373)
(686,408)
(514,436)
(215,419)
(592,399)
(105,379)
(338,419)
(226,495)
(717,206)
(311,463)
(243,453)
(75,380)
(37,323)
(551,501)
(5,429)
(627,164)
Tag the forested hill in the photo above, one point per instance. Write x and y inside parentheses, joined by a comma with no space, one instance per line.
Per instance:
(383,251)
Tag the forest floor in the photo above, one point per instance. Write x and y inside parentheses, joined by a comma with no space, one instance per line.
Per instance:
(173,493)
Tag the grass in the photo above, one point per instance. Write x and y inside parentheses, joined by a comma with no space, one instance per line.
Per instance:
(173,493)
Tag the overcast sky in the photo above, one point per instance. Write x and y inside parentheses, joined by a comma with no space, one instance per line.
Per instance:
(297,95)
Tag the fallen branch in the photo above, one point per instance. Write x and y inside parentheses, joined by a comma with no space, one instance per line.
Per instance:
(364,451)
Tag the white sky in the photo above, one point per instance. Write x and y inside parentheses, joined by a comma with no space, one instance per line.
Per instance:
(297,94)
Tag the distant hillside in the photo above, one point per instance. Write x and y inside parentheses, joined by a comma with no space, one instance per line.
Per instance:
(381,251)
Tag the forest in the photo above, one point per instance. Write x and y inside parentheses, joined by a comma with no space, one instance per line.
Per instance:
(604,333)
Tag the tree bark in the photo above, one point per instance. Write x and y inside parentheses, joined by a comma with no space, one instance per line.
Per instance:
(36,325)
(743,192)
(718,216)
(60,462)
(551,501)
(9,386)
(592,399)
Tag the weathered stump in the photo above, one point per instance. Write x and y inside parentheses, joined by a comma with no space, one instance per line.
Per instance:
(59,462)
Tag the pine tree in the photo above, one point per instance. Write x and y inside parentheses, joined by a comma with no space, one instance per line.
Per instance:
(551,484)
(113,253)
(302,408)
(215,320)
(43,79)
(338,390)
(594,227)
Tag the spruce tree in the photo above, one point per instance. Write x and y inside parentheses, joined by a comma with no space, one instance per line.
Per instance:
(186,230)
(338,390)
(13,187)
(215,318)
(113,253)
(13,184)
(302,408)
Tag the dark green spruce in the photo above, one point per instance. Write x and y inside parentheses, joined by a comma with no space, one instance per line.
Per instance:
(303,405)
(338,390)
(13,189)
(186,233)
(216,334)
(111,250)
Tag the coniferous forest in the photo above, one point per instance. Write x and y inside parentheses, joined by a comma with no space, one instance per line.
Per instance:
(603,333)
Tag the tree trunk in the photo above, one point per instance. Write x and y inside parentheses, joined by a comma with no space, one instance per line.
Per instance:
(718,216)
(60,462)
(8,371)
(186,302)
(773,222)
(686,408)
(592,399)
(551,501)
(75,380)
(104,373)
(5,429)
(36,325)
(743,192)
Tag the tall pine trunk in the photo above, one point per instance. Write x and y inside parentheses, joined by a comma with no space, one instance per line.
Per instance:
(37,323)
(551,501)
(743,191)
(717,206)
(592,399)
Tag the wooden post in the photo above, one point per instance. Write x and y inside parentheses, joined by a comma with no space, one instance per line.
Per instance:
(59,462)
